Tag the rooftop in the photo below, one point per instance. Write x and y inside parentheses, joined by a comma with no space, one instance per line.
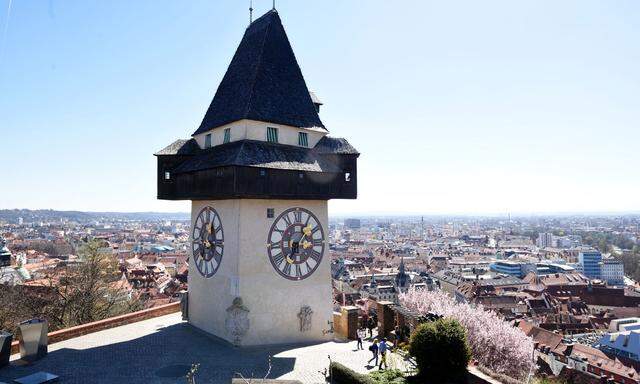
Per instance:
(162,349)
(263,82)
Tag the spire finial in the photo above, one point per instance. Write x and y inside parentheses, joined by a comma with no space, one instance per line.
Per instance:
(250,11)
(274,5)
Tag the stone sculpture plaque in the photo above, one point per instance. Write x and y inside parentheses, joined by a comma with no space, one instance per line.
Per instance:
(305,318)
(237,322)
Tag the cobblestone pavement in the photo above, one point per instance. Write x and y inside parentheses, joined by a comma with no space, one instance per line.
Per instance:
(161,350)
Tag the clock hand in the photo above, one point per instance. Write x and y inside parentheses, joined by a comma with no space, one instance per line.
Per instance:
(306,232)
(287,258)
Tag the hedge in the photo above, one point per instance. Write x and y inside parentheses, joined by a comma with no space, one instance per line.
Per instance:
(343,375)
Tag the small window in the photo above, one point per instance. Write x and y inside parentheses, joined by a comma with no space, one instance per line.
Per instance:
(167,175)
(347,176)
(263,172)
(303,139)
(207,141)
(227,135)
(272,135)
(270,213)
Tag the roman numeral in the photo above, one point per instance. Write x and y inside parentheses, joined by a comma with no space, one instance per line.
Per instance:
(287,269)
(278,258)
(315,255)
(298,270)
(317,242)
(287,219)
(297,216)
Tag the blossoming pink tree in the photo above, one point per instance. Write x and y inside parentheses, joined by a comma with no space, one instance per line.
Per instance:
(495,343)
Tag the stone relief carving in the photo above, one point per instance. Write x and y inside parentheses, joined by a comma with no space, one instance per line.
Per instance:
(237,322)
(305,318)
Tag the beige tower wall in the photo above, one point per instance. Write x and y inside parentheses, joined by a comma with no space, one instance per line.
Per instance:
(273,301)
(209,298)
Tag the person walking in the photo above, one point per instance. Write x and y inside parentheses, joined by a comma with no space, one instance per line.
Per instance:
(370,326)
(383,349)
(383,360)
(361,333)
(374,350)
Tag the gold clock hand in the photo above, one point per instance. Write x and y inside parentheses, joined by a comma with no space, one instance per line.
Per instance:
(307,230)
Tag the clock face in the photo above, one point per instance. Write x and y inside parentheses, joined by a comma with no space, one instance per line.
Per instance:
(296,244)
(207,242)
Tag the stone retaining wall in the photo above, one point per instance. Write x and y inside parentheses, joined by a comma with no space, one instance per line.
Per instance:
(112,322)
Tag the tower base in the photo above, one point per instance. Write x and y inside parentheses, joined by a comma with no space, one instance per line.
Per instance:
(246,302)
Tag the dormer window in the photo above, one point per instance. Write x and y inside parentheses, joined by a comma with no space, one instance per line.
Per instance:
(303,139)
(272,135)
(207,141)
(227,135)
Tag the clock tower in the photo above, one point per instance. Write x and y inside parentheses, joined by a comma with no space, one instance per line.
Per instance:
(259,171)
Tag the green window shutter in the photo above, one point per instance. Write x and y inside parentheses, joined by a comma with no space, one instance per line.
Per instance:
(303,139)
(227,135)
(272,135)
(207,141)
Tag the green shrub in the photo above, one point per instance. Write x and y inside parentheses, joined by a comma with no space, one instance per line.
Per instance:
(343,375)
(441,351)
(541,380)
(388,376)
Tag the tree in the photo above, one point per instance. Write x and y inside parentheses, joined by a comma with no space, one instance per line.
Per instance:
(70,295)
(87,292)
(495,343)
(441,351)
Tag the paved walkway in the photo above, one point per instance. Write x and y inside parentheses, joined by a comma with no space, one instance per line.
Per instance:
(161,350)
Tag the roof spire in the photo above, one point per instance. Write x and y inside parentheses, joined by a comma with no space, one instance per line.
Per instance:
(274,5)
(273,91)
(250,11)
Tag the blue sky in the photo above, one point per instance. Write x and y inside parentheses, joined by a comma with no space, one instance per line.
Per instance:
(457,106)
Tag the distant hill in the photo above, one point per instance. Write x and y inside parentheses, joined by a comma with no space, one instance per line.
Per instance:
(47,215)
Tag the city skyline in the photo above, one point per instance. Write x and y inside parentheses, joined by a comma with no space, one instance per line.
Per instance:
(510,108)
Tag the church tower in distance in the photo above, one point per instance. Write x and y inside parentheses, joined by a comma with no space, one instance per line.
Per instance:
(259,171)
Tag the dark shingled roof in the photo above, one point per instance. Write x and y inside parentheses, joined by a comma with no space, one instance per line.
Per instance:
(263,82)
(180,147)
(251,153)
(335,145)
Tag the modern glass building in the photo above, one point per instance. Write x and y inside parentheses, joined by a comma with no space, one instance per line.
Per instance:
(591,263)
(613,272)
(510,268)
